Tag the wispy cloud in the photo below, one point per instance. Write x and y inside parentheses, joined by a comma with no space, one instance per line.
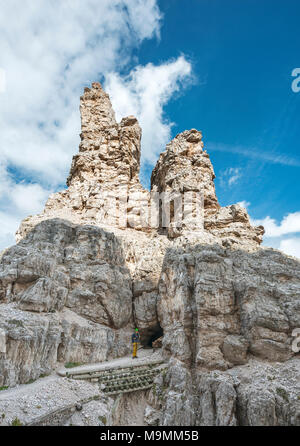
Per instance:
(230,176)
(245,204)
(254,152)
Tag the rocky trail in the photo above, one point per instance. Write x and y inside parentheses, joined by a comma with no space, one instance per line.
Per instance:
(123,375)
(58,397)
(144,357)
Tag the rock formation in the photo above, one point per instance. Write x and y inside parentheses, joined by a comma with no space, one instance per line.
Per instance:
(108,163)
(106,255)
(104,187)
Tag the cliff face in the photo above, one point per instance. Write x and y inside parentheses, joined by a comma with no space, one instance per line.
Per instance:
(217,306)
(65,297)
(106,255)
(227,318)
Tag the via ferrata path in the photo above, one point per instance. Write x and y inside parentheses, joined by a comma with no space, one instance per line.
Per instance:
(121,375)
(55,399)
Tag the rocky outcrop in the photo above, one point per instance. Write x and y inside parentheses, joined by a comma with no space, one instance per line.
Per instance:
(62,265)
(35,343)
(232,225)
(68,297)
(257,394)
(216,305)
(104,174)
(228,317)
(104,187)
(186,167)
(106,255)
(185,173)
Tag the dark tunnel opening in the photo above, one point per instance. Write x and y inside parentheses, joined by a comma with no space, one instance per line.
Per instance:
(150,335)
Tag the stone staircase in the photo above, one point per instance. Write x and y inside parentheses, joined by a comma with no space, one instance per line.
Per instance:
(116,380)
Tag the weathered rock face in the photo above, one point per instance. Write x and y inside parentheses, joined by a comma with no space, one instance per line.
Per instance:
(36,342)
(232,225)
(62,265)
(217,305)
(220,309)
(257,394)
(186,167)
(90,267)
(68,296)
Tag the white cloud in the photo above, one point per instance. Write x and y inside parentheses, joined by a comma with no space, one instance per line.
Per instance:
(49,52)
(143,93)
(9,225)
(16,201)
(2,80)
(234,175)
(278,236)
(289,224)
(291,246)
(29,198)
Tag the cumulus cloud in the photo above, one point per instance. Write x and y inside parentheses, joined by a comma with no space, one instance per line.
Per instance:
(16,201)
(143,93)
(291,246)
(49,52)
(278,235)
(289,224)
(9,225)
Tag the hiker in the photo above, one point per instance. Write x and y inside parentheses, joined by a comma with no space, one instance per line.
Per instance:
(135,339)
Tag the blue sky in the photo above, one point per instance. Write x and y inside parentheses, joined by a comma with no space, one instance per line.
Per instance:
(222,66)
(242,53)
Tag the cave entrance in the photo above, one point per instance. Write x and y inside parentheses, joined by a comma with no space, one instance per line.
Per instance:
(150,335)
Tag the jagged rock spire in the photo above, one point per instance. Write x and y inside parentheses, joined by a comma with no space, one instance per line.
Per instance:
(96,111)
(184,166)
(109,158)
(109,153)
